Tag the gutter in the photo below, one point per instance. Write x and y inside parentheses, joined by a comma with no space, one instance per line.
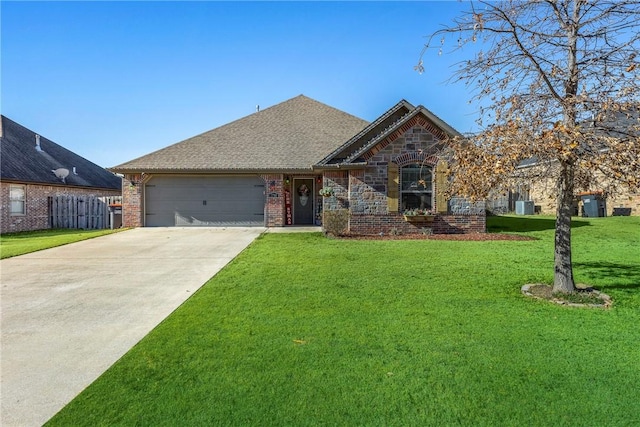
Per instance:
(339,166)
(210,171)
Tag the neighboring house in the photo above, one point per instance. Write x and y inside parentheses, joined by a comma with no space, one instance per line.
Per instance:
(539,184)
(541,192)
(267,169)
(33,169)
(622,202)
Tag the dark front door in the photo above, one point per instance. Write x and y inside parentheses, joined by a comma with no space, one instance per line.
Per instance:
(303,198)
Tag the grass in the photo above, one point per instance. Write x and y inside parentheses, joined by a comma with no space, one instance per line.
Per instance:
(303,330)
(13,244)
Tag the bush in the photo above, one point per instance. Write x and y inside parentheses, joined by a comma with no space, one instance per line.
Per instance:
(335,222)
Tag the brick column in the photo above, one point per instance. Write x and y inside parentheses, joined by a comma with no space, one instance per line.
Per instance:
(132,202)
(274,200)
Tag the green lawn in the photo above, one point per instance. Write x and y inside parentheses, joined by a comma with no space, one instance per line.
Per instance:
(303,330)
(13,244)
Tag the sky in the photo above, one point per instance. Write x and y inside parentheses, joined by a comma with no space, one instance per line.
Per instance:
(113,81)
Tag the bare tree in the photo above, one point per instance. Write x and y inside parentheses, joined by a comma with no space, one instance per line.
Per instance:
(556,81)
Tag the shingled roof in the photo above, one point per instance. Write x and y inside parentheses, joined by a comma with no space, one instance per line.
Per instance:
(22,162)
(290,136)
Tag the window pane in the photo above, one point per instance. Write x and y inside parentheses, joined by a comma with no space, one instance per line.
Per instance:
(17,207)
(416,187)
(412,176)
(17,197)
(16,193)
(416,201)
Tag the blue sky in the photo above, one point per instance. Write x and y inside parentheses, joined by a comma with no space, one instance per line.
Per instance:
(113,81)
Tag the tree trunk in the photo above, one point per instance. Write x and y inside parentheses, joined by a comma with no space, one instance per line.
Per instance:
(563,276)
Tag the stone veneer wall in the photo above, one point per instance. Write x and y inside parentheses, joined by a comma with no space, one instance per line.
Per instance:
(364,191)
(339,182)
(369,192)
(37,205)
(366,194)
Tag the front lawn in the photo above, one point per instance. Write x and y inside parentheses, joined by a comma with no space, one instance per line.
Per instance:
(13,244)
(304,330)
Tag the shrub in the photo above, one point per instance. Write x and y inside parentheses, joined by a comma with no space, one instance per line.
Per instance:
(395,232)
(326,192)
(335,222)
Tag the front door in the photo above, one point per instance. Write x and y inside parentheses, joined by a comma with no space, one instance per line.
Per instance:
(303,198)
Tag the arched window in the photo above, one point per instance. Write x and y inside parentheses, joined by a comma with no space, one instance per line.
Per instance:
(416,186)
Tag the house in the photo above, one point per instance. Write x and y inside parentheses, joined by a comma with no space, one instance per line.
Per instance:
(621,202)
(267,169)
(34,168)
(536,180)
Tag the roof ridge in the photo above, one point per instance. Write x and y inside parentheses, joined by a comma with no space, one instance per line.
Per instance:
(230,124)
(291,134)
(22,162)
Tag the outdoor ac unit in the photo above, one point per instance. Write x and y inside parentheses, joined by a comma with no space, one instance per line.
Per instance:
(524,207)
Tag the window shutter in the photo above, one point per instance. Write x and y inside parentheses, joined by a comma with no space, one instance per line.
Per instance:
(392,187)
(441,185)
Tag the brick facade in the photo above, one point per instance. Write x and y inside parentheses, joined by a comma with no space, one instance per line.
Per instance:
(365,191)
(36,215)
(132,200)
(274,210)
(275,188)
(395,223)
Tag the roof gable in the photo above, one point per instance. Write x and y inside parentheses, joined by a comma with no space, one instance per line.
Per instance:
(373,130)
(292,135)
(387,128)
(21,161)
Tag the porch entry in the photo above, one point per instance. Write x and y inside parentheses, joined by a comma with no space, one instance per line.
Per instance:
(303,201)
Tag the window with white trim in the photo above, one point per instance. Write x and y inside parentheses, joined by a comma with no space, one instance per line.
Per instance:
(17,199)
(416,186)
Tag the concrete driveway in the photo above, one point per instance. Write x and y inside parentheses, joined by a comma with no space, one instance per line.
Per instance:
(68,313)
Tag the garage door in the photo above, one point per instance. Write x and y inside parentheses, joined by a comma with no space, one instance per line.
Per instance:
(204,201)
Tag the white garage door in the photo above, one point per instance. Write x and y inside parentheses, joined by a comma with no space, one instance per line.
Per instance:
(204,201)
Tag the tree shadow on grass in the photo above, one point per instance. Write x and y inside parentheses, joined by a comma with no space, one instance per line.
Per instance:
(501,224)
(624,276)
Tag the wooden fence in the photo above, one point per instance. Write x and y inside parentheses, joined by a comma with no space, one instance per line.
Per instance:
(81,212)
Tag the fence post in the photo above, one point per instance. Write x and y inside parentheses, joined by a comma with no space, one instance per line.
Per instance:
(58,212)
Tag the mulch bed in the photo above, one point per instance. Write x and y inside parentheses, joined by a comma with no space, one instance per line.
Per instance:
(593,298)
(472,237)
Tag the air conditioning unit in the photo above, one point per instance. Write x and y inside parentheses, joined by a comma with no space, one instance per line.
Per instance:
(524,207)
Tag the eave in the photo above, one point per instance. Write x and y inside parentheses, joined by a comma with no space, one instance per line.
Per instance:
(226,171)
(339,166)
(56,184)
